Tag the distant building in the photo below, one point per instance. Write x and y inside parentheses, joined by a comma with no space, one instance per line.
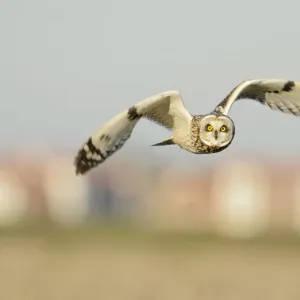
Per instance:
(66,194)
(241,199)
(14,199)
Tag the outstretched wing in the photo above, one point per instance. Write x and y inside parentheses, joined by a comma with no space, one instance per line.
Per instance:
(166,109)
(279,94)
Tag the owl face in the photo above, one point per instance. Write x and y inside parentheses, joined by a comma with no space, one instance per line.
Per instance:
(216,131)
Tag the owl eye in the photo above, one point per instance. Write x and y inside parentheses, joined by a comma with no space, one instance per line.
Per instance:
(223,128)
(209,127)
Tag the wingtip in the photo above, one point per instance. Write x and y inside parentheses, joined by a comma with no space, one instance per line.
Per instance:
(79,163)
(81,169)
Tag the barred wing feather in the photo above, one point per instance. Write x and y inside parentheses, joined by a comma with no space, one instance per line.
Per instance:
(165,109)
(279,94)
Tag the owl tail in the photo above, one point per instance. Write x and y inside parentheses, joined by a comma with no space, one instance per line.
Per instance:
(165,142)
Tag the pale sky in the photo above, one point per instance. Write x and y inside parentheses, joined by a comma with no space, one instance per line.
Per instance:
(67,66)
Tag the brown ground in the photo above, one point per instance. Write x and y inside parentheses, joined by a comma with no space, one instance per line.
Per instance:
(112,264)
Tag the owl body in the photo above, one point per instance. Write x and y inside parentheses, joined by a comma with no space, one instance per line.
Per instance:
(198,134)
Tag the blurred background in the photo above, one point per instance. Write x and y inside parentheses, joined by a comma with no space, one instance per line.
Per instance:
(150,223)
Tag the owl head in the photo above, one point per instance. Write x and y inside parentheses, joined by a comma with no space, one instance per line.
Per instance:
(216,130)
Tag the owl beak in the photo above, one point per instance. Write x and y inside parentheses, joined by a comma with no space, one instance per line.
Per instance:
(216,134)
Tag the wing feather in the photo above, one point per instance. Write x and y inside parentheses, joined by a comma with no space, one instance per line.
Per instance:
(279,94)
(166,109)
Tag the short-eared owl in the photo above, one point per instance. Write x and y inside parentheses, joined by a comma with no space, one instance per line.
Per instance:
(200,134)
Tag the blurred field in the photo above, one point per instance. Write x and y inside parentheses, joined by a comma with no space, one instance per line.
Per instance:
(110,262)
(163,243)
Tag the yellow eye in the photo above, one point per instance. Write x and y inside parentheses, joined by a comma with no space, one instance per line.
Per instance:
(223,128)
(209,128)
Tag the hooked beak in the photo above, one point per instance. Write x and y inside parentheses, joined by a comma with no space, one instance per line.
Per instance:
(216,134)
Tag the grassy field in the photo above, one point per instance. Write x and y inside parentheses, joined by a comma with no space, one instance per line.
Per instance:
(111,263)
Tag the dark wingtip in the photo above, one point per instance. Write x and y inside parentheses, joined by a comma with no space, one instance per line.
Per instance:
(80,167)
(81,170)
(82,163)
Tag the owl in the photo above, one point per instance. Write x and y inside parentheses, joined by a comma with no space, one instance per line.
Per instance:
(198,134)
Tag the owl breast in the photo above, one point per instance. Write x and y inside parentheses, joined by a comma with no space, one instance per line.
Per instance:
(205,149)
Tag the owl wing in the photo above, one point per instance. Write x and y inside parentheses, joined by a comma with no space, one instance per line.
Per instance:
(165,109)
(279,94)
